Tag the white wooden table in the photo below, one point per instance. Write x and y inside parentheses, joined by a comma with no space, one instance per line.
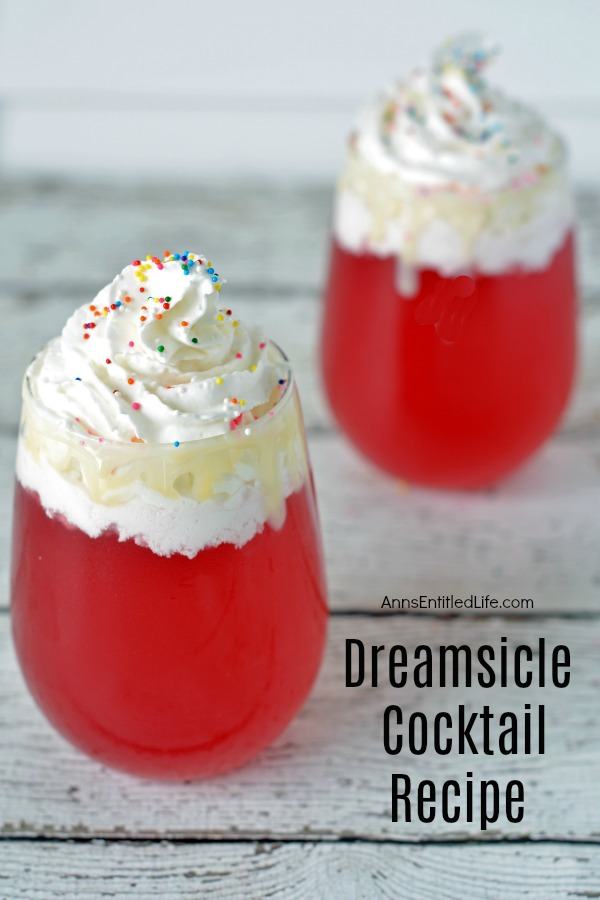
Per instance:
(311,817)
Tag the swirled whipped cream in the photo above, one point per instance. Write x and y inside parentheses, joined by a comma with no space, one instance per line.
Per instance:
(156,357)
(159,415)
(448,173)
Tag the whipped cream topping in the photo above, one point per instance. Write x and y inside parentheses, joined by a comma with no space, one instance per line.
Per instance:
(160,416)
(170,500)
(444,169)
(156,357)
(447,124)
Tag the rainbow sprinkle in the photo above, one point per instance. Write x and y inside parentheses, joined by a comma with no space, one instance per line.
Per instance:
(149,308)
(189,262)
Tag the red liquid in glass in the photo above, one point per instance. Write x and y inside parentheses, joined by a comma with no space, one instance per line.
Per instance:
(457,385)
(168,667)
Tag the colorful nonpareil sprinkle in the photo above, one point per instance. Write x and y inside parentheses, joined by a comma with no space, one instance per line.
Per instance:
(453,106)
(150,308)
(189,263)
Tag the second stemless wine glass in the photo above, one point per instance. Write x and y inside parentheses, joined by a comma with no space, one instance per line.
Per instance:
(448,346)
(168,666)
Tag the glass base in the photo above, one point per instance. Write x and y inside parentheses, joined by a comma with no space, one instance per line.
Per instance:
(168,667)
(458,383)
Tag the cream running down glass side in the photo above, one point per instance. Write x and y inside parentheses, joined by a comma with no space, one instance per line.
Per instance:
(449,334)
(168,598)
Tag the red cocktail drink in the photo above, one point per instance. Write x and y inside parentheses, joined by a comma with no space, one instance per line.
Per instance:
(168,666)
(168,599)
(471,373)
(448,346)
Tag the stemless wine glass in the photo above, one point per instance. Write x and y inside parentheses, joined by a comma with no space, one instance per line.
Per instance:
(448,345)
(169,666)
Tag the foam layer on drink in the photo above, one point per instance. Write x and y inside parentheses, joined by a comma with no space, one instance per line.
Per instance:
(447,173)
(160,415)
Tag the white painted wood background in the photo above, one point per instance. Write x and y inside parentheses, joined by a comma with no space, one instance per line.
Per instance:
(310,818)
(262,88)
(298,871)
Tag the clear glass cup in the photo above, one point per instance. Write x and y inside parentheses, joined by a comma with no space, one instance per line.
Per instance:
(456,384)
(448,345)
(182,665)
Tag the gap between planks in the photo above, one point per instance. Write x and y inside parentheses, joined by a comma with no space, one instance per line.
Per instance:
(313,840)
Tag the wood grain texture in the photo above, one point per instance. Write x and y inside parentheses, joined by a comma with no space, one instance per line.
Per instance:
(328,776)
(254,871)
(75,236)
(536,536)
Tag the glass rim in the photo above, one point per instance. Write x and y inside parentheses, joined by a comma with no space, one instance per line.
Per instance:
(54,419)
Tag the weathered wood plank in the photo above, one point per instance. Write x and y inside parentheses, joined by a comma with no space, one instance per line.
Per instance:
(77,235)
(74,234)
(254,871)
(328,776)
(536,537)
